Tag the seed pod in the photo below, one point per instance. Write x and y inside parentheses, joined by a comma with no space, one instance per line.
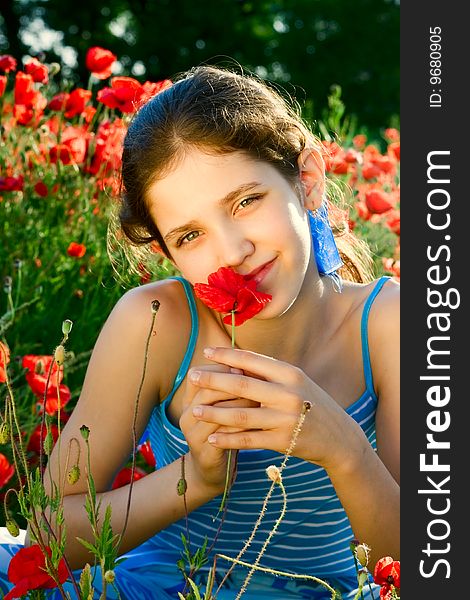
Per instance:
(362,577)
(109,576)
(4,433)
(181,486)
(59,355)
(48,443)
(67,326)
(7,283)
(73,475)
(85,432)
(274,474)
(155,306)
(12,527)
(362,554)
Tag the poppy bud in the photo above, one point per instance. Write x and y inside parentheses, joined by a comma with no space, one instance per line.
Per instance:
(4,433)
(54,68)
(17,264)
(67,326)
(85,432)
(274,474)
(155,306)
(73,475)
(48,443)
(362,554)
(181,486)
(7,281)
(12,527)
(59,355)
(109,576)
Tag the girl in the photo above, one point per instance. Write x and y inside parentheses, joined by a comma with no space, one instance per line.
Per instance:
(219,172)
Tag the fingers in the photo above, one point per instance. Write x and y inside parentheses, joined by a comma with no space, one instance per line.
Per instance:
(258,364)
(241,417)
(241,386)
(244,440)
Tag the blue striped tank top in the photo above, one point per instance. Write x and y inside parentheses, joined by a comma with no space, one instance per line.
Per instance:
(315,534)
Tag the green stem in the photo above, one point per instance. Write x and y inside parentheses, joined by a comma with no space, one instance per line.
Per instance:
(229,456)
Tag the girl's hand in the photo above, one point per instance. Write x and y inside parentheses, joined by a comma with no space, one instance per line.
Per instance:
(208,462)
(329,436)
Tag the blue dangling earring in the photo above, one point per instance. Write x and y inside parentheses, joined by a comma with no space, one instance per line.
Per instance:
(324,246)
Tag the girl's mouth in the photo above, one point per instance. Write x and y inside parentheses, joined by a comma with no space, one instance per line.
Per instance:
(257,275)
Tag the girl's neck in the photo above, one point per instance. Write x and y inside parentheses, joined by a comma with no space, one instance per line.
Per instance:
(308,324)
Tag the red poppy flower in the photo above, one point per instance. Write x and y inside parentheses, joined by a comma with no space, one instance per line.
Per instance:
(7,63)
(370,170)
(359,141)
(41,189)
(378,201)
(59,101)
(6,470)
(4,360)
(100,61)
(124,476)
(152,88)
(11,184)
(29,102)
(146,450)
(36,376)
(73,147)
(38,71)
(76,250)
(392,134)
(228,291)
(3,84)
(125,94)
(394,149)
(76,102)
(26,571)
(387,574)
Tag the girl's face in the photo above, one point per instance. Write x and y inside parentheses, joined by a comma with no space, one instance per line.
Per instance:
(233,211)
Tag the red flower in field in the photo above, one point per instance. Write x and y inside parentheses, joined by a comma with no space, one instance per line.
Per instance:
(76,102)
(394,149)
(26,571)
(100,61)
(228,291)
(11,184)
(370,170)
(6,470)
(4,360)
(41,189)
(3,84)
(125,94)
(146,450)
(387,574)
(152,88)
(384,163)
(38,71)
(359,141)
(7,63)
(59,101)
(76,250)
(73,147)
(392,134)
(124,476)
(108,145)
(378,201)
(38,369)
(28,101)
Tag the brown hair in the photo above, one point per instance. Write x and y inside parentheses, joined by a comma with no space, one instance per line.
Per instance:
(219,111)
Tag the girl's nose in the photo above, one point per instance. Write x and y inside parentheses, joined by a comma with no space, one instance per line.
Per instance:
(234,247)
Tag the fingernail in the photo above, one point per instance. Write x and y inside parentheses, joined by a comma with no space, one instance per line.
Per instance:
(212,439)
(236,371)
(194,376)
(209,352)
(197,411)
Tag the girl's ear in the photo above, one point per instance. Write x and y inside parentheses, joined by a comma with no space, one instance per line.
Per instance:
(312,177)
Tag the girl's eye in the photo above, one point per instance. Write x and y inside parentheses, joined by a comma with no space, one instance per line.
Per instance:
(189,237)
(247,201)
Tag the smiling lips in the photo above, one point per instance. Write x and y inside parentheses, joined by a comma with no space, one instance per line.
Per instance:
(260,273)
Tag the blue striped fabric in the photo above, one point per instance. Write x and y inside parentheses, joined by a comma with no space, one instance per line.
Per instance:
(313,538)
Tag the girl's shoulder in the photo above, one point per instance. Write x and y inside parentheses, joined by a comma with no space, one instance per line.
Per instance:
(166,331)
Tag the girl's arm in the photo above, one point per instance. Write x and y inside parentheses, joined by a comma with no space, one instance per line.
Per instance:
(106,406)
